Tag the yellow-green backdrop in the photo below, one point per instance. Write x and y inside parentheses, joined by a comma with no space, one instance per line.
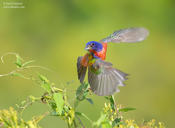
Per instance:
(54,33)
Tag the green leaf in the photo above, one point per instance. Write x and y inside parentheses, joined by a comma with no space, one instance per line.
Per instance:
(106,124)
(18,75)
(83,115)
(126,109)
(43,78)
(53,105)
(106,97)
(28,62)
(46,87)
(58,98)
(45,83)
(116,121)
(112,102)
(18,61)
(90,100)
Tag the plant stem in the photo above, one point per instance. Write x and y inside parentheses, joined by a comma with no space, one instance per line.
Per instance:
(80,122)
(75,124)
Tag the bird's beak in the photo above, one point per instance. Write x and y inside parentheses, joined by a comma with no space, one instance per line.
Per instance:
(87,48)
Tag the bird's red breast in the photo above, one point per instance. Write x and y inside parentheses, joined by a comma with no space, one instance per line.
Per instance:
(102,53)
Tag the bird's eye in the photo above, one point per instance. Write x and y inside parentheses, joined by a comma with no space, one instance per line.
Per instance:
(92,44)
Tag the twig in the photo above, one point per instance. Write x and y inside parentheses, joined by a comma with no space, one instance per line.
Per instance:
(35,66)
(75,124)
(80,122)
(115,105)
(8,53)
(13,72)
(10,73)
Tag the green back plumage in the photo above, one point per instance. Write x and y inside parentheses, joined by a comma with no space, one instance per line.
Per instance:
(94,69)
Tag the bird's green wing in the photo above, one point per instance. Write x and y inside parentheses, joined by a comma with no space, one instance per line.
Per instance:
(81,70)
(104,79)
(129,35)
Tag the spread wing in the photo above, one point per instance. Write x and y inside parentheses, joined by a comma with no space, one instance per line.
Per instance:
(81,70)
(104,79)
(129,35)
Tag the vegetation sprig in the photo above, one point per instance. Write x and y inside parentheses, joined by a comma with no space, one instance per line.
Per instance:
(57,101)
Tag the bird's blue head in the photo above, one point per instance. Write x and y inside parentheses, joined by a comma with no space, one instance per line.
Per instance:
(93,45)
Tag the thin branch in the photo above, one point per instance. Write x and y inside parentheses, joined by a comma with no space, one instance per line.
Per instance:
(35,66)
(80,122)
(10,73)
(8,53)
(75,124)
(20,69)
(13,72)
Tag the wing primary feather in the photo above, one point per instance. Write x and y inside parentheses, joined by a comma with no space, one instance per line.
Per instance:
(107,82)
(113,87)
(118,80)
(81,70)
(101,92)
(91,80)
(129,35)
(104,87)
(93,84)
(100,80)
(96,83)
(107,87)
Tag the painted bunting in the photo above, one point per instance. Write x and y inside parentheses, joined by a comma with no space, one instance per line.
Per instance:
(102,77)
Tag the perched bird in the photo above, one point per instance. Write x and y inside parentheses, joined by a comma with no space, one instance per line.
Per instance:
(102,77)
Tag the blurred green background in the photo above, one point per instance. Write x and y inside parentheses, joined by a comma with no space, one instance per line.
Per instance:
(54,33)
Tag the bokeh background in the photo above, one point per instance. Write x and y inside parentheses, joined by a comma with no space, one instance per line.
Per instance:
(54,33)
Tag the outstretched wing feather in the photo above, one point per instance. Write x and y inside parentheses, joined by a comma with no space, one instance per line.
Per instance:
(107,81)
(81,69)
(129,35)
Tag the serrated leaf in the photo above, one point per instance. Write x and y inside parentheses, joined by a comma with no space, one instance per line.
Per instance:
(28,62)
(18,61)
(58,98)
(126,109)
(43,78)
(90,100)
